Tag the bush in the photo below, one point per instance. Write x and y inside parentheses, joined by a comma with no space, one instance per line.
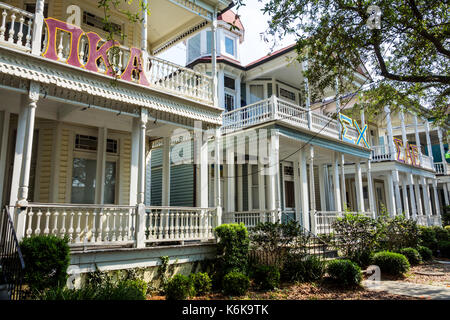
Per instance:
(395,233)
(412,255)
(123,290)
(447,228)
(442,234)
(391,263)
(425,253)
(235,283)
(427,238)
(444,248)
(201,283)
(266,277)
(344,272)
(179,288)
(302,268)
(46,261)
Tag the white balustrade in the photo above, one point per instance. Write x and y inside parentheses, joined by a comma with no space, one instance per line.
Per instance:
(251,218)
(16,27)
(247,116)
(179,223)
(324,219)
(441,167)
(82,224)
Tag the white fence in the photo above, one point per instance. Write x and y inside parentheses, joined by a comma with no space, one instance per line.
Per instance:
(251,218)
(324,220)
(16,27)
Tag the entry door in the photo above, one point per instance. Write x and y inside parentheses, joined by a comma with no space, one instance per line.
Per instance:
(380,196)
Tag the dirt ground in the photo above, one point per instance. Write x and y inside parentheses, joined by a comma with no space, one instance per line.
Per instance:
(433,273)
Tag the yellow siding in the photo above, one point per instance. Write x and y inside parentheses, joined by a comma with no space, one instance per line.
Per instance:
(56,9)
(45,160)
(125,154)
(63,165)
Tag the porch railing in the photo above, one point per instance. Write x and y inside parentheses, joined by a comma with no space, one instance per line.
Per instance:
(82,224)
(251,218)
(12,264)
(385,153)
(278,109)
(16,27)
(324,220)
(441,168)
(179,223)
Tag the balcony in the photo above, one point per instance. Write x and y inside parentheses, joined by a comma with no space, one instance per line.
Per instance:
(442,168)
(275,109)
(16,32)
(381,153)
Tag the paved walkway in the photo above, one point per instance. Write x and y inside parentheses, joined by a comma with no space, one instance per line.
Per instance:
(422,291)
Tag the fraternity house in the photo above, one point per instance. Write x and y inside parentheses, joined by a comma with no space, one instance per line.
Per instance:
(96,136)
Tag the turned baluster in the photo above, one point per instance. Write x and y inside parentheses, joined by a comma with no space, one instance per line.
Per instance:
(20,33)
(11,28)
(30,218)
(108,236)
(63,224)
(100,226)
(72,215)
(47,222)
(28,37)
(177,227)
(86,227)
(131,235)
(3,27)
(82,48)
(78,229)
(114,216)
(55,223)
(94,218)
(60,46)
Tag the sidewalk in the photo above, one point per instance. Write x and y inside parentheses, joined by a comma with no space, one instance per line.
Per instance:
(421,291)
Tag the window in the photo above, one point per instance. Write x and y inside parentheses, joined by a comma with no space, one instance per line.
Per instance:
(287,94)
(111,145)
(229,102)
(194,47)
(289,171)
(229,83)
(229,46)
(255,188)
(289,194)
(208,42)
(83,180)
(84,142)
(256,93)
(97,22)
(109,192)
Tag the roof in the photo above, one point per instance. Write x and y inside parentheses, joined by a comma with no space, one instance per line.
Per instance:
(270,56)
(232,18)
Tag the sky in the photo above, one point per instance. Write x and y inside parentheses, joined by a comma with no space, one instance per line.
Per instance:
(253,47)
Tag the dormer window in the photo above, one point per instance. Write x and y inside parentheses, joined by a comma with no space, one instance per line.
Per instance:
(230,46)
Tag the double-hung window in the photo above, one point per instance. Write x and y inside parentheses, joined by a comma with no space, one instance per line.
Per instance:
(230,93)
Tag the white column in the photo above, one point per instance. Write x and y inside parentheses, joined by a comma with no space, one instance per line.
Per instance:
(101,162)
(141,163)
(441,146)
(165,200)
(261,187)
(312,192)
(38,23)
(370,189)
(297,192)
(218,161)
(404,139)
(134,165)
(436,199)
(390,135)
(144,27)
(343,191)
(420,210)
(416,129)
(359,187)
(412,196)
(215,87)
(426,196)
(304,190)
(28,144)
(230,175)
(240,188)
(250,186)
(398,200)
(323,201)
(18,155)
(272,175)
(203,172)
(427,134)
(391,195)
(337,191)
(405,197)
(444,186)
(3,151)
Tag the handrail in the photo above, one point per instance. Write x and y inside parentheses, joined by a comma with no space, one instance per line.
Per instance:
(15,9)
(77,205)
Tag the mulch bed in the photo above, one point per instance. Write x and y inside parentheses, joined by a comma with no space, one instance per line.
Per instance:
(433,273)
(305,291)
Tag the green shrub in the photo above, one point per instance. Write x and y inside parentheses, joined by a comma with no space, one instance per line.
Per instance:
(395,233)
(46,261)
(298,267)
(391,263)
(179,287)
(362,259)
(344,272)
(444,248)
(425,253)
(412,255)
(266,277)
(427,237)
(235,283)
(123,290)
(201,282)
(447,228)
(442,234)
(232,251)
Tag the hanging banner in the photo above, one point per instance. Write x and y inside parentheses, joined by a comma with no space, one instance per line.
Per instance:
(409,155)
(350,123)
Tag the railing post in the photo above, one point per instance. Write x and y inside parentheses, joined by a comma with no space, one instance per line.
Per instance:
(140,226)
(313,221)
(37,28)
(274,103)
(21,222)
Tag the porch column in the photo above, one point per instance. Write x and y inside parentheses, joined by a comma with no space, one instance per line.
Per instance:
(230,177)
(359,187)
(343,191)
(144,27)
(390,135)
(3,152)
(418,198)
(323,200)
(427,135)
(215,89)
(444,186)
(436,199)
(337,191)
(240,188)
(391,195)
(141,215)
(28,144)
(370,189)
(261,187)
(273,176)
(38,23)
(426,196)
(441,147)
(405,198)
(412,196)
(312,191)
(101,162)
(202,183)
(402,120)
(250,186)
(217,191)
(398,200)
(297,192)
(24,144)
(165,200)
(304,191)
(416,129)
